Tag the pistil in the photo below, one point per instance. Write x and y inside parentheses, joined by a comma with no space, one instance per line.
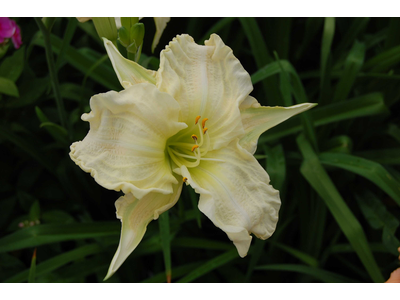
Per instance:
(188,154)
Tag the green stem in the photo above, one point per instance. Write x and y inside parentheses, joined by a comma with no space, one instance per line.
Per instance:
(52,71)
(165,242)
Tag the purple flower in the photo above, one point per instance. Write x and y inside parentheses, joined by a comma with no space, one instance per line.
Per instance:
(16,37)
(7,28)
(10,29)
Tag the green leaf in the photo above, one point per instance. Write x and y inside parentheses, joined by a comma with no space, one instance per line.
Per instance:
(318,178)
(58,261)
(304,257)
(257,252)
(341,143)
(383,61)
(176,272)
(58,132)
(358,25)
(298,91)
(8,87)
(366,168)
(198,243)
(390,156)
(83,60)
(281,34)
(194,200)
(380,218)
(352,66)
(218,26)
(284,85)
(393,38)
(313,25)
(11,68)
(30,90)
(347,248)
(79,269)
(276,165)
(367,105)
(32,270)
(26,146)
(165,242)
(319,274)
(262,58)
(51,233)
(210,265)
(278,67)
(34,212)
(327,38)
(68,34)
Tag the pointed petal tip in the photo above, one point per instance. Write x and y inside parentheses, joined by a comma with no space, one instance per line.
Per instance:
(241,242)
(109,274)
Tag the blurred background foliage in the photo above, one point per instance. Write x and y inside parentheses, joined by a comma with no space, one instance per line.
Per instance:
(336,166)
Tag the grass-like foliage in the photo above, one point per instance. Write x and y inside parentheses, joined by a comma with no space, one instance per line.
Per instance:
(336,166)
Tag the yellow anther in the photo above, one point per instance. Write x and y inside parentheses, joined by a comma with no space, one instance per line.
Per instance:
(203,123)
(195,147)
(205,130)
(194,137)
(197,119)
(184,179)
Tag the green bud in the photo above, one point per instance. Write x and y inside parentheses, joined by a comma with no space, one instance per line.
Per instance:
(107,28)
(128,22)
(137,35)
(123,35)
(132,48)
(48,22)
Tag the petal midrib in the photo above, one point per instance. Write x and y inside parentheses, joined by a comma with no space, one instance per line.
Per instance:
(234,201)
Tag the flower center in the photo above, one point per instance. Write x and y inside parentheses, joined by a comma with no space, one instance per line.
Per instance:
(190,146)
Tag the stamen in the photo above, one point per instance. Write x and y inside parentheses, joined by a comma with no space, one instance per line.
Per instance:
(194,137)
(203,123)
(205,130)
(195,147)
(173,157)
(183,155)
(184,179)
(197,119)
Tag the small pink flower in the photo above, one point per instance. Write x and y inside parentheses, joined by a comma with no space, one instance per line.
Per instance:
(7,28)
(10,29)
(16,37)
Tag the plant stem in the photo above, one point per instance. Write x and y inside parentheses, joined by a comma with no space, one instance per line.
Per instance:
(52,71)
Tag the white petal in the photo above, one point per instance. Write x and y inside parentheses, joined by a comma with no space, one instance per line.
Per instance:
(160,23)
(118,22)
(135,215)
(124,149)
(235,195)
(128,72)
(257,119)
(207,81)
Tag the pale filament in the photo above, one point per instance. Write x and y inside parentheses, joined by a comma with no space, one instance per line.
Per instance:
(196,151)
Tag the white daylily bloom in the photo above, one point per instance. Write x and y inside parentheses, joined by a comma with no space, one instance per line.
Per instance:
(192,121)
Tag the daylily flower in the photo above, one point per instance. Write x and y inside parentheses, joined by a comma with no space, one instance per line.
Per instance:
(192,122)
